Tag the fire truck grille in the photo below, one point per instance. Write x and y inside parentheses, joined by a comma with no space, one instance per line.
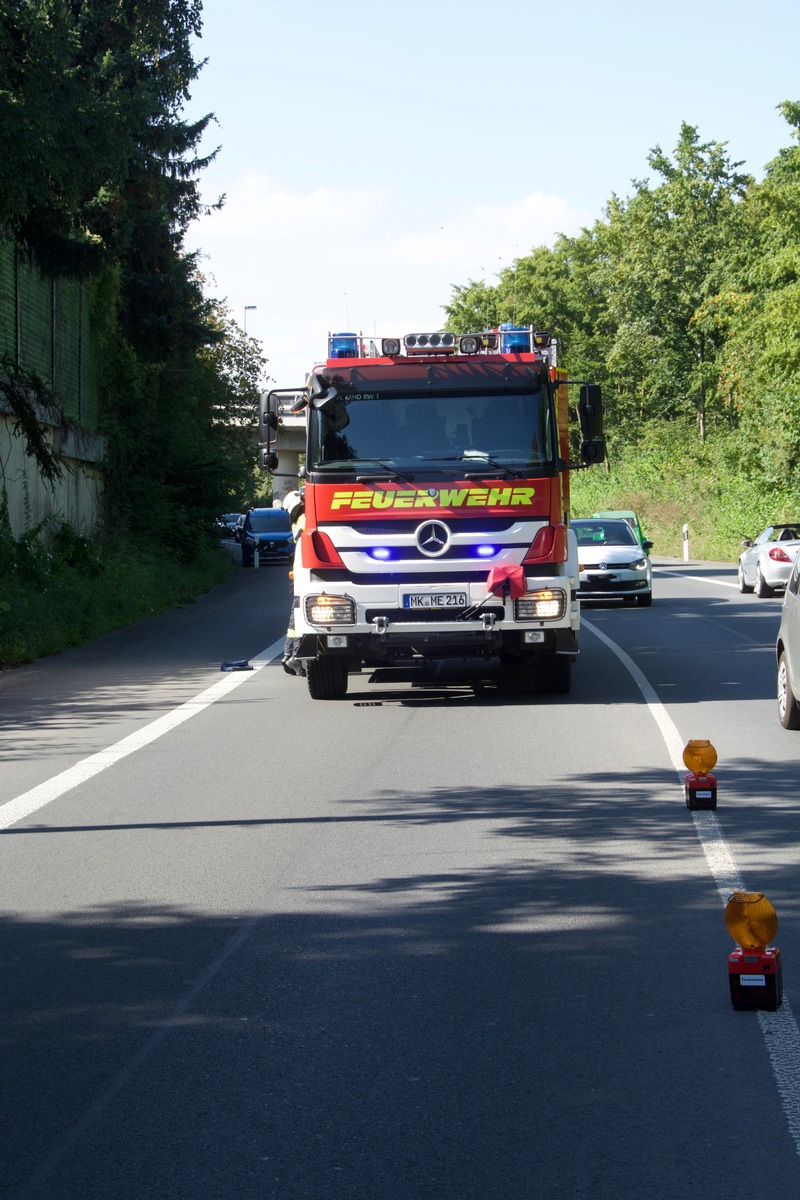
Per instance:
(429,615)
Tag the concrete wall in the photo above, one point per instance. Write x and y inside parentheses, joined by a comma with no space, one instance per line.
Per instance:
(76,499)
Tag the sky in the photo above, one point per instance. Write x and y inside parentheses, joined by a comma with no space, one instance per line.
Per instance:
(373,156)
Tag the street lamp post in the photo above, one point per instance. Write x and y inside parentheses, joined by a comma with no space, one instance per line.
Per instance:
(248,308)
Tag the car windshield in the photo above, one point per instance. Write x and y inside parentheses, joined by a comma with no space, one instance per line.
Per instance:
(604,533)
(270,522)
(779,533)
(503,429)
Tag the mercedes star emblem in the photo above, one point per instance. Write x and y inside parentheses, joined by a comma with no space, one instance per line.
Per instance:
(433,538)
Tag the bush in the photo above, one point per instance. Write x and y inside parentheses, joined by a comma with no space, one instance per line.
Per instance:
(670,479)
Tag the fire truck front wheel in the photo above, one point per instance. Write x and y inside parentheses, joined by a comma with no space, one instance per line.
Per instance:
(327,678)
(554,674)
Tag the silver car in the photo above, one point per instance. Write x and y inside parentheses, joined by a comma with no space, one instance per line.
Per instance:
(765,564)
(614,565)
(788,653)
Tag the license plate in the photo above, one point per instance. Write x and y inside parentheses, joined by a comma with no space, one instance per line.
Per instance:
(435,600)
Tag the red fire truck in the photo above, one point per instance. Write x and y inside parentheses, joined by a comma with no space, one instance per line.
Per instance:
(436,484)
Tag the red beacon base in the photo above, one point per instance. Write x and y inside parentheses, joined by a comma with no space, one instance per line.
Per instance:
(756,979)
(700,790)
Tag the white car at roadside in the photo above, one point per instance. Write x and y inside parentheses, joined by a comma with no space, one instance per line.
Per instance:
(766,562)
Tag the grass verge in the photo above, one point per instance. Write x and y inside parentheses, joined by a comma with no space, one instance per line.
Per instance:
(56,598)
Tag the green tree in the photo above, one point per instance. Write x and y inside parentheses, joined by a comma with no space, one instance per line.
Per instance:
(90,101)
(473,307)
(670,249)
(99,179)
(762,350)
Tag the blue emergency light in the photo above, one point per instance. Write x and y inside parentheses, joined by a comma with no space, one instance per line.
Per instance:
(514,339)
(343,345)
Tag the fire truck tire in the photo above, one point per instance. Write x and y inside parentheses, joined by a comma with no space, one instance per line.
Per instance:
(327,678)
(555,675)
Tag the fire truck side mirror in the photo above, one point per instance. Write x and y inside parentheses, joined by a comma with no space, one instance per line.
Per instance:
(268,417)
(590,411)
(590,415)
(268,459)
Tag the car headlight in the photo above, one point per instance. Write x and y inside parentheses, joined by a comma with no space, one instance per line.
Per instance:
(639,565)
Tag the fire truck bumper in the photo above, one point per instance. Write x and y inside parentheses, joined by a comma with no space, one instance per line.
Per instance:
(412,643)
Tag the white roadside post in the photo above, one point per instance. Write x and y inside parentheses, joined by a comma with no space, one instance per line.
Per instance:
(686,543)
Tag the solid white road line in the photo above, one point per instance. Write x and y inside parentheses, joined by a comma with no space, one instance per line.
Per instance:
(697,578)
(30,802)
(780,1031)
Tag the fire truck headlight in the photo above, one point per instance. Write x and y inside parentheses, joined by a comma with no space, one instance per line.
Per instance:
(390,347)
(469,344)
(330,610)
(546,605)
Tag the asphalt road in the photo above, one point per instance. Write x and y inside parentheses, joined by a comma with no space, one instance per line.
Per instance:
(436,940)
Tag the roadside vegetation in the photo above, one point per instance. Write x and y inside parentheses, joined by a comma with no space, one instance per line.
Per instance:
(64,590)
(683,302)
(677,484)
(99,174)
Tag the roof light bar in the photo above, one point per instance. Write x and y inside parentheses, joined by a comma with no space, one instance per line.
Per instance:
(430,343)
(507,339)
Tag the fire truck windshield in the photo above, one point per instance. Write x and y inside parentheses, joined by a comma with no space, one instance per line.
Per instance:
(510,429)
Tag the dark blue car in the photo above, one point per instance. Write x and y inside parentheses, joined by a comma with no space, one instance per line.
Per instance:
(268,532)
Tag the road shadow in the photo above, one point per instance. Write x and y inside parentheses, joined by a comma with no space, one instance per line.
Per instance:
(456,1031)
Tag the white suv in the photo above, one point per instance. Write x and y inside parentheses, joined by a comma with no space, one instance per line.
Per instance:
(788,653)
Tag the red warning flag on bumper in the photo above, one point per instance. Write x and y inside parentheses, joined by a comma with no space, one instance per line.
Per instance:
(502,581)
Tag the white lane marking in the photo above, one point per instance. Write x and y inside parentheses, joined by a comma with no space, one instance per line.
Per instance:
(781,1035)
(31,801)
(697,578)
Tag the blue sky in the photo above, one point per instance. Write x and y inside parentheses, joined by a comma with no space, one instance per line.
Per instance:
(374,155)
